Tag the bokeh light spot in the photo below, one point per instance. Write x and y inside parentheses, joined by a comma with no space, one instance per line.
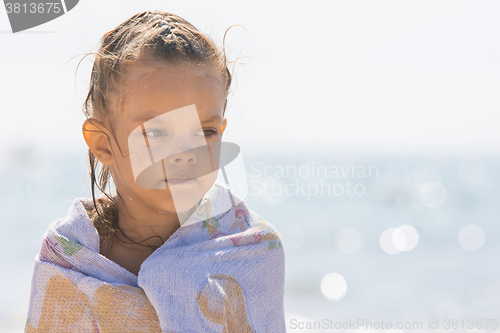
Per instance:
(471,237)
(333,287)
(387,241)
(410,235)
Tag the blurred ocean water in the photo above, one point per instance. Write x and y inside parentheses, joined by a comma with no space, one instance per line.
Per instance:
(390,239)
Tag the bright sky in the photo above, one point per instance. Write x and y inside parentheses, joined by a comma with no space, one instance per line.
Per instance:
(365,76)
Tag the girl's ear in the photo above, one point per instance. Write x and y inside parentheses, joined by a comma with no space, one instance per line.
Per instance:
(224,123)
(97,140)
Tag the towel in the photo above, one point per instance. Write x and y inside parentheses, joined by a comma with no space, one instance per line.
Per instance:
(222,273)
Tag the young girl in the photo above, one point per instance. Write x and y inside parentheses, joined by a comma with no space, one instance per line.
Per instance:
(172,250)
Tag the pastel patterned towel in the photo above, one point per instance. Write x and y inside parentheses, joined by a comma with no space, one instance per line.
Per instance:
(222,273)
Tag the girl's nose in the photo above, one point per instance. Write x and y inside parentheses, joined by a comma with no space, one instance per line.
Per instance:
(183,157)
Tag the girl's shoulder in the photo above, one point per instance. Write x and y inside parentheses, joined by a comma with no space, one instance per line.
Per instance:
(76,226)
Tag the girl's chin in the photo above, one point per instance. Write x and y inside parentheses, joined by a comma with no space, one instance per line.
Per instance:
(176,199)
(173,203)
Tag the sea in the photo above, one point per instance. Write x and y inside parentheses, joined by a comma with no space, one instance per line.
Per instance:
(379,243)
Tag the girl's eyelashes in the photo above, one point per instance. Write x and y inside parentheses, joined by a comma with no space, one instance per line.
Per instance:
(155,133)
(158,133)
(207,132)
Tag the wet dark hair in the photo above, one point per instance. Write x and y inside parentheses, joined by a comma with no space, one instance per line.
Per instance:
(150,37)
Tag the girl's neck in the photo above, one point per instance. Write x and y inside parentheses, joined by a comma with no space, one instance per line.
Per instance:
(139,237)
(145,226)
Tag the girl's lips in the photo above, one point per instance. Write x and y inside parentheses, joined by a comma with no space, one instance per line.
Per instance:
(176,181)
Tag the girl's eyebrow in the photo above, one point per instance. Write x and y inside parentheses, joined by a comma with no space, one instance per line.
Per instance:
(145,118)
(149,118)
(217,117)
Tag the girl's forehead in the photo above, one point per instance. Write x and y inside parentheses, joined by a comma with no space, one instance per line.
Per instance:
(184,116)
(151,91)
(142,75)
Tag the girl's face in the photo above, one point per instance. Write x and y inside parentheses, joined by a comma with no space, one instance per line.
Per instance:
(166,113)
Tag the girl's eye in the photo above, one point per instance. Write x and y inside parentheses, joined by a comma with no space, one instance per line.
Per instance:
(207,133)
(156,133)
